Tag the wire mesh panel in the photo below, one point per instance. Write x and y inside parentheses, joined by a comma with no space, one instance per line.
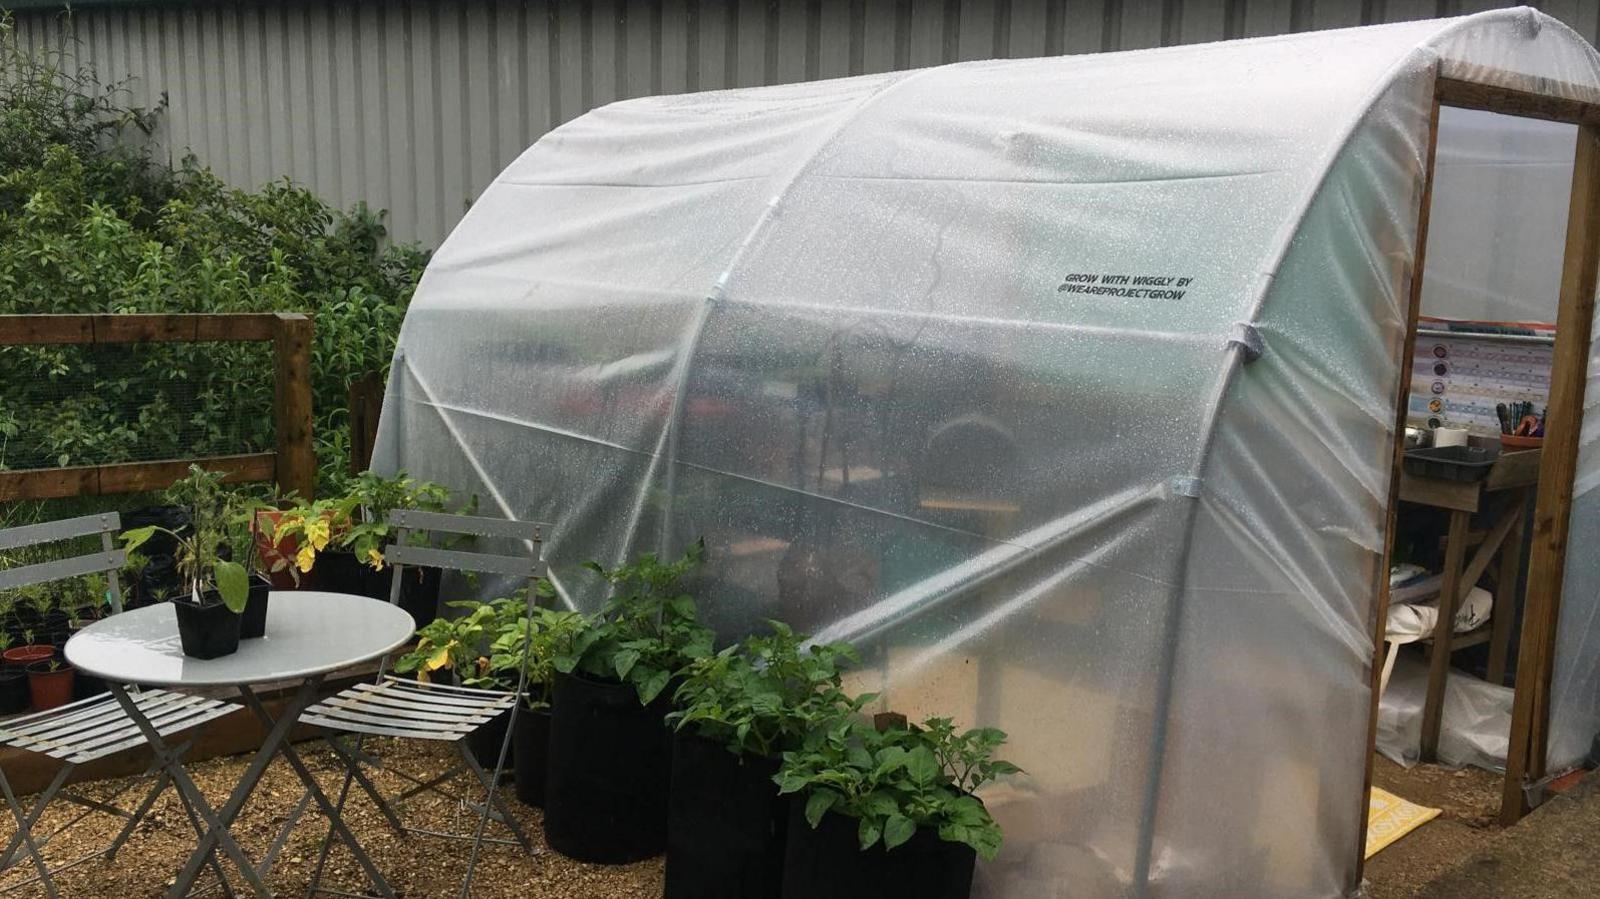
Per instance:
(105,403)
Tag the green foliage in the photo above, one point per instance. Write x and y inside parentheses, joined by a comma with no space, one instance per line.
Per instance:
(898,780)
(534,643)
(219,527)
(92,221)
(455,644)
(647,631)
(358,518)
(764,693)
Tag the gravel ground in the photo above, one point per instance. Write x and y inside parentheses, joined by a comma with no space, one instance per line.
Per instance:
(418,866)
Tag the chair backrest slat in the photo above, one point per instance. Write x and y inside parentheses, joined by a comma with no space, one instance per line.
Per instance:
(461,560)
(65,529)
(470,525)
(60,569)
(108,561)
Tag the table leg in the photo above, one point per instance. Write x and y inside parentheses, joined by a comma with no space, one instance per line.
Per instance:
(216,835)
(1443,631)
(290,714)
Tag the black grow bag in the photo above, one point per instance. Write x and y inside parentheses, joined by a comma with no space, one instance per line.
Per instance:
(530,747)
(725,825)
(609,772)
(828,862)
(485,742)
(341,572)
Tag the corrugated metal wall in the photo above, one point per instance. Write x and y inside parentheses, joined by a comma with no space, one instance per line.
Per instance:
(415,106)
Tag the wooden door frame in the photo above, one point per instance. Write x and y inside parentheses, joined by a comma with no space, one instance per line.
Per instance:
(1539,99)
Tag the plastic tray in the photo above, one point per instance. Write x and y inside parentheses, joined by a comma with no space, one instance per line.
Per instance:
(1449,463)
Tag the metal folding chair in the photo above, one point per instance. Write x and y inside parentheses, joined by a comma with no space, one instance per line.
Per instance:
(90,729)
(398,707)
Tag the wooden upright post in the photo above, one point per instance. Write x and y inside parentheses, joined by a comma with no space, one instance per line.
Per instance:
(296,458)
(1530,712)
(1391,512)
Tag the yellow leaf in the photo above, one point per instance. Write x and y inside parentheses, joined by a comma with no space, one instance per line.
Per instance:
(304,558)
(439,659)
(375,559)
(317,532)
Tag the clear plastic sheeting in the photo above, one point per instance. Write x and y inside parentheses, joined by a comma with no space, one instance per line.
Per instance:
(1474,725)
(953,364)
(1499,222)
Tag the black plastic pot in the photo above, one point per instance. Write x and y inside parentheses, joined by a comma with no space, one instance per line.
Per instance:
(530,747)
(342,572)
(485,742)
(209,630)
(87,685)
(13,690)
(609,772)
(253,621)
(828,862)
(726,824)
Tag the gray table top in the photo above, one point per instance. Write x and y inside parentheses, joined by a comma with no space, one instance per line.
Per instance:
(308,632)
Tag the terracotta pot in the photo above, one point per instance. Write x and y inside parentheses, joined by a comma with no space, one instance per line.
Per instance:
(48,688)
(271,553)
(27,655)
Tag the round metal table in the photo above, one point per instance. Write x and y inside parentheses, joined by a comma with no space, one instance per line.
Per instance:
(309,634)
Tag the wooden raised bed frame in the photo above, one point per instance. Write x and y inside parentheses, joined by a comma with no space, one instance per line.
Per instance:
(292,463)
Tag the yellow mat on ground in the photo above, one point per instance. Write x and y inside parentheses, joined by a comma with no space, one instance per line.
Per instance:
(1389,818)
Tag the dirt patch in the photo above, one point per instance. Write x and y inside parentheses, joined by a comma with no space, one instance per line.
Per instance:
(416,866)
(1468,800)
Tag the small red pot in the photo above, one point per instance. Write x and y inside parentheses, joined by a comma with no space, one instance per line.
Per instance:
(28,654)
(49,688)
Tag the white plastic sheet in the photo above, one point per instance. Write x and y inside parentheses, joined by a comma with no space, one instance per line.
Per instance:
(952,363)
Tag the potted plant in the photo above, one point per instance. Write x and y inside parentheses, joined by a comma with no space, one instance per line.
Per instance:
(29,652)
(889,813)
(536,645)
(341,539)
(13,681)
(610,758)
(49,683)
(738,711)
(458,647)
(216,589)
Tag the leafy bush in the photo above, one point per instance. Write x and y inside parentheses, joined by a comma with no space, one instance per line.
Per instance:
(764,693)
(647,631)
(92,221)
(900,779)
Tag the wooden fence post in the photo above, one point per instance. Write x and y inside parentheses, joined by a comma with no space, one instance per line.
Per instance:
(366,402)
(291,401)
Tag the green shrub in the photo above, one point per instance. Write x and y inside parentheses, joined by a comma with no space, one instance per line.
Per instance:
(92,221)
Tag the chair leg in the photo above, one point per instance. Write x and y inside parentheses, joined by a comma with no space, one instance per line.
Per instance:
(496,798)
(352,762)
(25,824)
(314,886)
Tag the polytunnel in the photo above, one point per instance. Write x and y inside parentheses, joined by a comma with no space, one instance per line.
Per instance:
(1066,388)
